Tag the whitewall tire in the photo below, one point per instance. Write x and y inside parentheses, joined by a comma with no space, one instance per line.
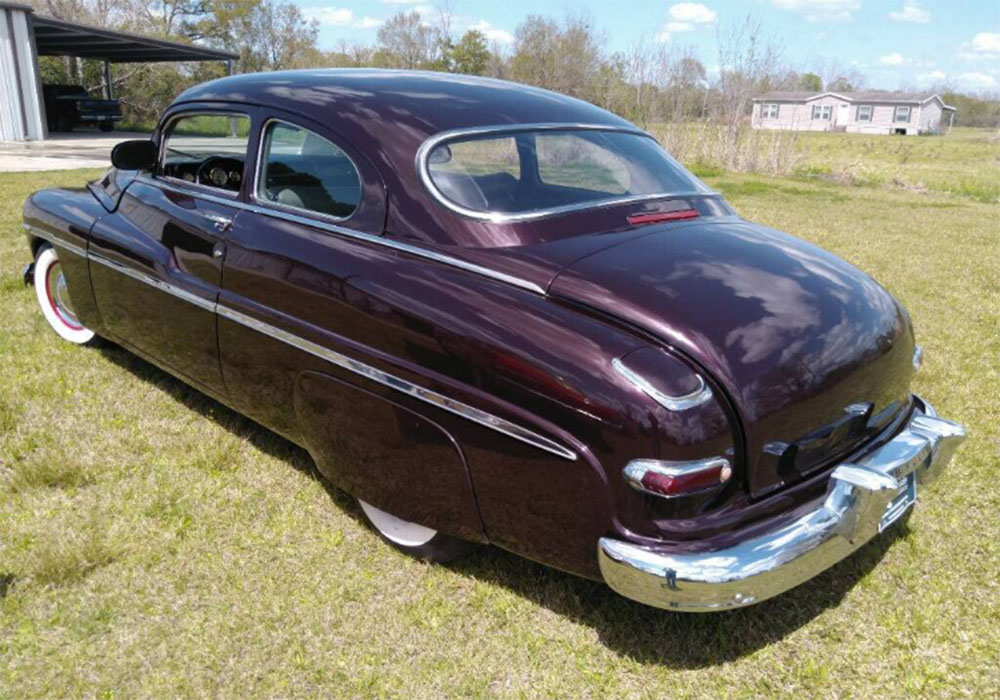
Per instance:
(413,539)
(53,297)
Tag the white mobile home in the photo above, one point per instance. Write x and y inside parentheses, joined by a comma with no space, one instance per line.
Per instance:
(860,112)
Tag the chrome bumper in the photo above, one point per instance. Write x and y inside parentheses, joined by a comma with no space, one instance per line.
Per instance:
(765,565)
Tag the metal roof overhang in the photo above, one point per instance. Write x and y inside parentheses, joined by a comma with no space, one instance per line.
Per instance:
(55,37)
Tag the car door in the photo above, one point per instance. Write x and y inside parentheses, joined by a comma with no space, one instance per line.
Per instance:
(298,341)
(156,262)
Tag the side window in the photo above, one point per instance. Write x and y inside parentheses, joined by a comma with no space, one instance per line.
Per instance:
(207,149)
(302,170)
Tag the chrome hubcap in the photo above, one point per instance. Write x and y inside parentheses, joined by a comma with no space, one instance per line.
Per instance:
(55,285)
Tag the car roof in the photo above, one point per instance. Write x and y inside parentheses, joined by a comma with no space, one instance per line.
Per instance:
(420,102)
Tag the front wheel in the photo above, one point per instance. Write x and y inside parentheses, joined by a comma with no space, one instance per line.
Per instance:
(106,126)
(416,540)
(53,297)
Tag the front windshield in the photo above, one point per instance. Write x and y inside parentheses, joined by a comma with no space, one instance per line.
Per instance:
(538,172)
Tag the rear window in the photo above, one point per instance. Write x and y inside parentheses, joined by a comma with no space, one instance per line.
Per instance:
(536,173)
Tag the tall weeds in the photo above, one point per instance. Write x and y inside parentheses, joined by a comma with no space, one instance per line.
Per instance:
(708,145)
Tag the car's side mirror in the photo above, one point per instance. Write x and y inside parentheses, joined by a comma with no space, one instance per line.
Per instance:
(134,155)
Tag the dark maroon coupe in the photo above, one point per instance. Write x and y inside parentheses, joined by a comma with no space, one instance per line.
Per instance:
(495,314)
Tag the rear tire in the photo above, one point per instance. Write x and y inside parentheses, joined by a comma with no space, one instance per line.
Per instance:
(415,540)
(106,127)
(53,297)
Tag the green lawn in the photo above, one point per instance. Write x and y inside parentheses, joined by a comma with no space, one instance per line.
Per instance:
(154,544)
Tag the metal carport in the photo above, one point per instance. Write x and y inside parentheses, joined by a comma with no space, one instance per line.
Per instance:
(24,36)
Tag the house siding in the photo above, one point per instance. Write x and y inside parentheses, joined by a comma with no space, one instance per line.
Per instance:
(932,117)
(797,116)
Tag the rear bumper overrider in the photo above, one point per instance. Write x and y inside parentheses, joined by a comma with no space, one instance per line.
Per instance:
(765,565)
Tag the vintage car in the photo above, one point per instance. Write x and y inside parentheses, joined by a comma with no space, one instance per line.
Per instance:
(494,314)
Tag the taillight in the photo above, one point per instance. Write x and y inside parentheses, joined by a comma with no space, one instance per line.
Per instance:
(672,479)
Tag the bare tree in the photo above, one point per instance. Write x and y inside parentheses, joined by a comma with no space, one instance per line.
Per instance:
(747,60)
(404,41)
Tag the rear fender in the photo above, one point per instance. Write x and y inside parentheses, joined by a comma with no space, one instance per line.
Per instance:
(387,455)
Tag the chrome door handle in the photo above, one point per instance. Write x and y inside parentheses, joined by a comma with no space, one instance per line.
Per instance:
(220,223)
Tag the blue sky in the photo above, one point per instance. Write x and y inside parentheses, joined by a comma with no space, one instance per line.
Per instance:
(895,43)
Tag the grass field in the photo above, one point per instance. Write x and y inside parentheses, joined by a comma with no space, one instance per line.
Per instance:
(155,544)
(965,163)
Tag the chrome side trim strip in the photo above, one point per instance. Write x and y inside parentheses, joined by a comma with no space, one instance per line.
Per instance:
(471,413)
(426,395)
(58,243)
(152,281)
(501,218)
(407,248)
(672,403)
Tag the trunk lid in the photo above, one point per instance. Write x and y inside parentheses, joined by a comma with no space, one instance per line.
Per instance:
(815,356)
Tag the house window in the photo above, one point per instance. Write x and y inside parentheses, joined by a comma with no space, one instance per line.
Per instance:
(769,111)
(822,112)
(902,114)
(864,113)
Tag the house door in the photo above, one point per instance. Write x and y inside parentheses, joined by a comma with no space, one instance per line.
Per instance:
(841,114)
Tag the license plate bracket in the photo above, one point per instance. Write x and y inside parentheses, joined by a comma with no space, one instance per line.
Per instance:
(902,502)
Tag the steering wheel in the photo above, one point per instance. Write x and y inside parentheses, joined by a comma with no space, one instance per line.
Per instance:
(220,171)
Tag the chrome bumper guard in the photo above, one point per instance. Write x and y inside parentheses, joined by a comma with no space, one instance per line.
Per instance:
(765,565)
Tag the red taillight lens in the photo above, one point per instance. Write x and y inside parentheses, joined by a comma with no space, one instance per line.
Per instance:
(656,217)
(671,479)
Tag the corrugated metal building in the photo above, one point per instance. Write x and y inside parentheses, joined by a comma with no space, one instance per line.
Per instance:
(24,36)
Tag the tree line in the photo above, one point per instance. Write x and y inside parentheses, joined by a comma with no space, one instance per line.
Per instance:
(646,83)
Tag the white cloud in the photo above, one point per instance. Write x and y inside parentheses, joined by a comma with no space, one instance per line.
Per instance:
(691,13)
(986,43)
(911,12)
(977,80)
(821,10)
(330,16)
(340,17)
(892,59)
(935,76)
(984,46)
(685,17)
(501,36)
(402,2)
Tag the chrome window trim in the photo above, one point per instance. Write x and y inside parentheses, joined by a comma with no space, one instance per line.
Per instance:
(258,168)
(429,396)
(672,403)
(424,253)
(161,147)
(501,218)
